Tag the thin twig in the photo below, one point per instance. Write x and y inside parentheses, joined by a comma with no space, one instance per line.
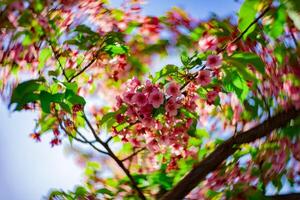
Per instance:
(265,102)
(89,64)
(57,58)
(109,139)
(293,37)
(133,154)
(245,31)
(116,159)
(83,140)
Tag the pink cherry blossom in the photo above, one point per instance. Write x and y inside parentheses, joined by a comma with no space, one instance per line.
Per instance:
(203,78)
(231,48)
(211,96)
(156,98)
(171,107)
(139,99)
(173,89)
(213,61)
(146,110)
(128,97)
(208,43)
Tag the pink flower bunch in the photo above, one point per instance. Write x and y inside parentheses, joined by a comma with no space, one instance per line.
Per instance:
(154,117)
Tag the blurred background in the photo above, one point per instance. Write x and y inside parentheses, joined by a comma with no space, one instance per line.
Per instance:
(28,170)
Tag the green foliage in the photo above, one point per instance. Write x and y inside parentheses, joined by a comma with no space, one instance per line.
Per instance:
(85,38)
(36,90)
(233,82)
(246,15)
(26,92)
(293,9)
(277,27)
(246,58)
(293,129)
(45,54)
(110,118)
(166,71)
(116,49)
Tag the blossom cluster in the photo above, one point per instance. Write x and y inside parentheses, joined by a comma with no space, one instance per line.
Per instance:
(154,117)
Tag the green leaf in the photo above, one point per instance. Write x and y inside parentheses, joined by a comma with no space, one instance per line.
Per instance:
(45,54)
(185,58)
(250,58)
(80,191)
(70,72)
(74,98)
(112,115)
(26,92)
(104,191)
(107,117)
(277,27)
(116,49)
(247,14)
(193,128)
(167,70)
(84,29)
(122,126)
(161,179)
(27,39)
(71,86)
(45,98)
(233,82)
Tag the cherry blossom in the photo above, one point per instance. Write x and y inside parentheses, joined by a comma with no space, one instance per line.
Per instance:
(203,78)
(208,43)
(139,99)
(173,89)
(214,61)
(156,98)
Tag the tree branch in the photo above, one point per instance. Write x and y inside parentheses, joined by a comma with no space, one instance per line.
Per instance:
(245,31)
(90,63)
(116,159)
(133,154)
(84,140)
(57,58)
(292,196)
(226,149)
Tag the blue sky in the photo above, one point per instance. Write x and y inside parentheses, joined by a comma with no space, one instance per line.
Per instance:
(28,169)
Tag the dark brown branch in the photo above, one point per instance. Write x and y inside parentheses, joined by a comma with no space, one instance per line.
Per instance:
(292,196)
(226,149)
(133,154)
(116,159)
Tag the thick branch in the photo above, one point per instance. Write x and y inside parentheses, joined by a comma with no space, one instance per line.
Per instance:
(292,196)
(223,151)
